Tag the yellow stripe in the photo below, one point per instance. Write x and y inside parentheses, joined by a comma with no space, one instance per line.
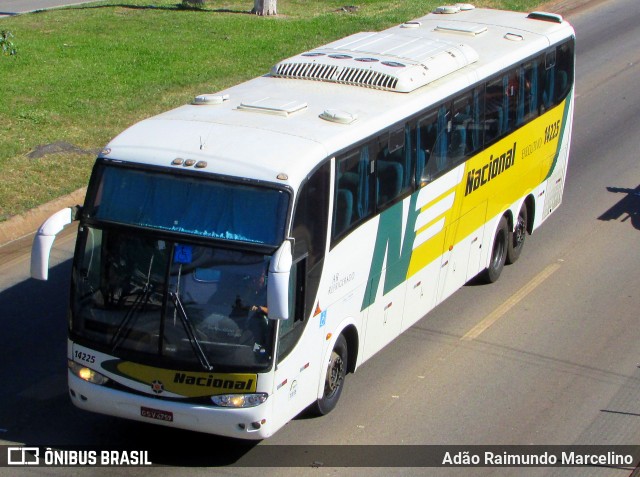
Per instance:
(534,155)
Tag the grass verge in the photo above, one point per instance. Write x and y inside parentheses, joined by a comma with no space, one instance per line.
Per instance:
(83,74)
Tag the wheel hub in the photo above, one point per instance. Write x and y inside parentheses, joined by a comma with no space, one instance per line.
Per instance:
(334,373)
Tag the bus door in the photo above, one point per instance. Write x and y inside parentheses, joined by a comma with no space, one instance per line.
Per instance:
(298,351)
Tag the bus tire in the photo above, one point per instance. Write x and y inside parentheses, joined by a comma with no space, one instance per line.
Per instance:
(498,252)
(334,378)
(517,237)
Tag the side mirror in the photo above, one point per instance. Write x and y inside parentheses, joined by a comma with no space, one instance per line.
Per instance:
(278,289)
(43,242)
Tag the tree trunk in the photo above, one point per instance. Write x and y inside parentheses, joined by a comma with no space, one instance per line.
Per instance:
(195,4)
(264,7)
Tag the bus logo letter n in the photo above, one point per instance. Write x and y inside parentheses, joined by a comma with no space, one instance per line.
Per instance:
(390,244)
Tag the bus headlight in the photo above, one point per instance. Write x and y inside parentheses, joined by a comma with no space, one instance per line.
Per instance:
(87,374)
(239,400)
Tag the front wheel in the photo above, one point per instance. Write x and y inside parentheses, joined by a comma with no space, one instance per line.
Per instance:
(498,253)
(334,378)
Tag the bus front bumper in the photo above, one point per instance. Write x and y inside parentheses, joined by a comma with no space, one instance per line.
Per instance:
(243,423)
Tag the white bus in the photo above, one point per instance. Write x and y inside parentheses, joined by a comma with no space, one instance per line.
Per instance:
(238,256)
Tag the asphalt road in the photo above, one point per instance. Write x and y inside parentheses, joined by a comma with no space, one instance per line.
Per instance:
(548,355)
(14,7)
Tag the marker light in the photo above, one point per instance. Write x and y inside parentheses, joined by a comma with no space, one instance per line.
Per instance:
(239,400)
(87,374)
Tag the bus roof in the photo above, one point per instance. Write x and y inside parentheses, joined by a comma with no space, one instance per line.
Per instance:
(280,126)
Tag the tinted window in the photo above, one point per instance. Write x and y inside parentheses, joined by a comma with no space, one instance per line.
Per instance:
(394,166)
(311,216)
(354,190)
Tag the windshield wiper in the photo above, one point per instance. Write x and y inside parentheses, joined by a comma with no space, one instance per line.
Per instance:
(188,328)
(127,322)
(119,336)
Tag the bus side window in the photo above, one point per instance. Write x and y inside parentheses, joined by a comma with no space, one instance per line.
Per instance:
(310,233)
(564,73)
(475,130)
(495,113)
(511,83)
(460,144)
(433,133)
(528,92)
(346,190)
(393,166)
(311,214)
(353,198)
(548,92)
(425,138)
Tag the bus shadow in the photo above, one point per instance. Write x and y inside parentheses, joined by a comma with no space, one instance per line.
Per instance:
(627,209)
(35,409)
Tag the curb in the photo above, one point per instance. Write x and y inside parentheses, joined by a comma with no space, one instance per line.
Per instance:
(25,224)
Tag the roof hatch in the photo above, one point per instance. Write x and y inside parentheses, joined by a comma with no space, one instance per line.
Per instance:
(387,61)
(268,105)
(461,28)
(451,9)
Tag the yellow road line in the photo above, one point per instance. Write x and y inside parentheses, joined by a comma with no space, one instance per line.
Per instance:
(499,312)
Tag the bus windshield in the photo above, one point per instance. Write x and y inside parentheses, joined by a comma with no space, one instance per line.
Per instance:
(189,205)
(145,299)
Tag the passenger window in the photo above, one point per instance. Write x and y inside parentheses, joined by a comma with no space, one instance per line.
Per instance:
(432,146)
(353,197)
(511,82)
(495,119)
(460,140)
(393,166)
(475,136)
(549,91)
(528,92)
(564,67)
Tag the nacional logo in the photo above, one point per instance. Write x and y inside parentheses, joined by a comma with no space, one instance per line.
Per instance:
(213,381)
(163,382)
(476,178)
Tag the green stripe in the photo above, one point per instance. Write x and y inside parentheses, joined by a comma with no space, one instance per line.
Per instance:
(560,138)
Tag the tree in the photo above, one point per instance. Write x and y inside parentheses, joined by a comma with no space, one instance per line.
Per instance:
(264,7)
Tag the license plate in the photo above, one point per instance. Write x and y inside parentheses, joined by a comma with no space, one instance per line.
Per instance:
(156,414)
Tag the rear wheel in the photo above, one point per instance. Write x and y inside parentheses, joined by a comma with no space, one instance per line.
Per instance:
(498,253)
(517,237)
(334,378)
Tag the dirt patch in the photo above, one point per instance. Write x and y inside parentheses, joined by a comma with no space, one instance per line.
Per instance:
(57,148)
